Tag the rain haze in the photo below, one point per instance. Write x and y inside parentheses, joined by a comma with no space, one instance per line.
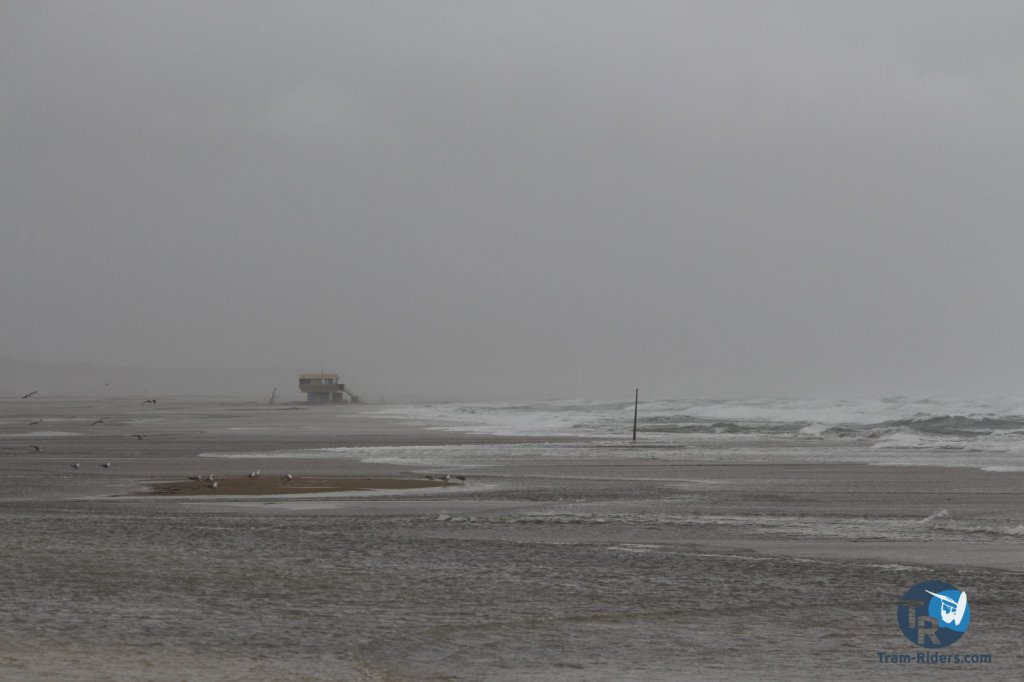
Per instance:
(517,198)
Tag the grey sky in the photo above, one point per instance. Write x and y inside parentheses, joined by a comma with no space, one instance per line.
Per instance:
(507,198)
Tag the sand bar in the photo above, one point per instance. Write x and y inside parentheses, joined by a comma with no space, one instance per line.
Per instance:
(296,486)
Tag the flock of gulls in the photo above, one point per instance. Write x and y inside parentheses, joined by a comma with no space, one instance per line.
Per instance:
(213,483)
(211,480)
(446,478)
(76,465)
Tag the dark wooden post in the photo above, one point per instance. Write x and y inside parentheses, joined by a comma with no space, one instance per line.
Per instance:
(636,407)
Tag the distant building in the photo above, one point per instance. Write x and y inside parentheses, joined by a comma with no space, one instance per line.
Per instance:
(324,388)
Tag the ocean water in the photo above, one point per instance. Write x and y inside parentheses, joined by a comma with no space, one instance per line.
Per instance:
(984,433)
(734,540)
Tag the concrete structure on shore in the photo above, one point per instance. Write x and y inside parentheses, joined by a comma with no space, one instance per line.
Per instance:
(324,388)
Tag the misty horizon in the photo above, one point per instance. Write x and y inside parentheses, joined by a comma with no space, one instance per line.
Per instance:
(517,200)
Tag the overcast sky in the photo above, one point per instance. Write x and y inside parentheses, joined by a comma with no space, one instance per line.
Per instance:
(516,198)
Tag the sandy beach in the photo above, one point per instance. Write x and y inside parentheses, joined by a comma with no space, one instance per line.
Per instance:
(556,559)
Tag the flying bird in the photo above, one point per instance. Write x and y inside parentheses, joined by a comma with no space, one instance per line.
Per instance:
(36,448)
(38,421)
(29,395)
(152,400)
(98,421)
(106,384)
(139,435)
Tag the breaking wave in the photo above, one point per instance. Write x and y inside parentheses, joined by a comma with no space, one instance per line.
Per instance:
(899,423)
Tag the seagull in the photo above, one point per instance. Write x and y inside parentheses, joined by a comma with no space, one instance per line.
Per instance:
(76,465)
(430,478)
(446,478)
(287,477)
(195,478)
(211,477)
(29,395)
(38,421)
(105,465)
(152,400)
(138,435)
(213,485)
(36,448)
(461,478)
(98,421)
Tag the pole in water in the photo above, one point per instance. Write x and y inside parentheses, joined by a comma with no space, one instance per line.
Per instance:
(636,406)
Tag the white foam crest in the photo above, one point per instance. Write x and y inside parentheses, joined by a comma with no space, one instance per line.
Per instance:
(503,419)
(850,411)
(635,549)
(908,440)
(937,515)
(336,453)
(1006,444)
(814,430)
(1012,443)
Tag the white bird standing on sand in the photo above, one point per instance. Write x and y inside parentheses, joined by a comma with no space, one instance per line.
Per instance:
(213,485)
(287,477)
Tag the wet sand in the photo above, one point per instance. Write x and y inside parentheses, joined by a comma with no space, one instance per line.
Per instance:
(576,566)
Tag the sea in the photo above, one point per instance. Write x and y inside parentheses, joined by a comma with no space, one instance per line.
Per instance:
(981,433)
(739,539)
